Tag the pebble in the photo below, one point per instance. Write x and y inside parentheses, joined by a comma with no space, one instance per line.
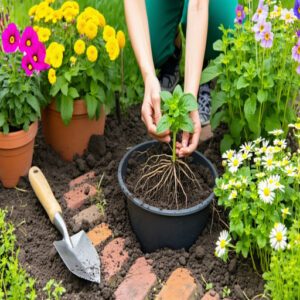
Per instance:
(232,266)
(182,260)
(199,252)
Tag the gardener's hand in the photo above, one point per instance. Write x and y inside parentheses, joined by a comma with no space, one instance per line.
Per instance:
(189,141)
(151,112)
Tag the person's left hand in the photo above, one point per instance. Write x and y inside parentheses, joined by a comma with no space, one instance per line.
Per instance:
(190,141)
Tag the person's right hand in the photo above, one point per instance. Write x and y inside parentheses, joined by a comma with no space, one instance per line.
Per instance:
(151,112)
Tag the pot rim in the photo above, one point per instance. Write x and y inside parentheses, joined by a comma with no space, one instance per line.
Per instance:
(19,138)
(156,210)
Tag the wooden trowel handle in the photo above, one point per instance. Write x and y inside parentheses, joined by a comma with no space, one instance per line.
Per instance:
(43,191)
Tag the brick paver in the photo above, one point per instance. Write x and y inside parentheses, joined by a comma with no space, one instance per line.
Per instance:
(99,234)
(181,285)
(138,281)
(77,196)
(82,179)
(90,215)
(113,257)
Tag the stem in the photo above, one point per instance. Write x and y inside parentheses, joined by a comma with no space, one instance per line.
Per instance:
(174,147)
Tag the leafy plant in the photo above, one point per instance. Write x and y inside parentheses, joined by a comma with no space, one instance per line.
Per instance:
(257,82)
(15,283)
(260,188)
(226,292)
(54,290)
(81,50)
(20,77)
(176,117)
(283,280)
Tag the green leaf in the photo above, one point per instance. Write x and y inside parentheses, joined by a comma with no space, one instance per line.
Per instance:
(68,76)
(178,91)
(226,143)
(163,124)
(209,73)
(189,102)
(218,45)
(94,88)
(2,119)
(218,99)
(242,83)
(216,119)
(91,103)
(66,109)
(262,96)
(165,95)
(73,93)
(236,126)
(33,102)
(187,124)
(272,122)
(250,106)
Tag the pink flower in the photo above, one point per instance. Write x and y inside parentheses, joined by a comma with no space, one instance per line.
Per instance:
(27,65)
(29,40)
(296,52)
(267,39)
(261,12)
(298,70)
(260,27)
(10,38)
(38,56)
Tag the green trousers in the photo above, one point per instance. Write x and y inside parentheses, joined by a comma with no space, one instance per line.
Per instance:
(164,16)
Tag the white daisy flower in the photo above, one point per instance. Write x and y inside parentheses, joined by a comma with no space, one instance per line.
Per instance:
(290,171)
(276,132)
(285,212)
(232,182)
(274,182)
(278,237)
(246,155)
(235,162)
(244,180)
(284,162)
(265,192)
(222,243)
(264,147)
(288,15)
(224,186)
(258,140)
(296,126)
(247,147)
(233,195)
(280,143)
(228,154)
(268,162)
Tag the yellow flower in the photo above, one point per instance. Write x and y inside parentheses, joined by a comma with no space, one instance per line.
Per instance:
(112,48)
(32,10)
(73,60)
(121,39)
(108,33)
(101,20)
(70,9)
(80,25)
(49,14)
(56,59)
(79,47)
(54,55)
(43,34)
(57,15)
(91,30)
(50,1)
(92,53)
(52,76)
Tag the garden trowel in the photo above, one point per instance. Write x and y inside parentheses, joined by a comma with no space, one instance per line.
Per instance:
(77,251)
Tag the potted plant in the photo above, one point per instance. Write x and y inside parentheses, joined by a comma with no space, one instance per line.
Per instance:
(257,72)
(21,63)
(168,197)
(81,51)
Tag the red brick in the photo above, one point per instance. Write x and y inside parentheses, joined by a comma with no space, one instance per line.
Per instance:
(138,281)
(90,216)
(206,133)
(82,179)
(99,234)
(181,285)
(113,258)
(211,295)
(77,196)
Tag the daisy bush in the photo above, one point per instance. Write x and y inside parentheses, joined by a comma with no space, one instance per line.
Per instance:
(260,191)
(82,50)
(258,72)
(22,61)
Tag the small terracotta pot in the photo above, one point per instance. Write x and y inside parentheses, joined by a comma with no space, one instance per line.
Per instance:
(71,139)
(16,151)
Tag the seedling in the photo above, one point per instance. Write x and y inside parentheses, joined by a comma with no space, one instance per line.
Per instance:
(163,174)
(54,290)
(226,291)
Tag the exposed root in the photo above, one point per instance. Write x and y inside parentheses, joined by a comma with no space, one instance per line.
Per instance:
(162,178)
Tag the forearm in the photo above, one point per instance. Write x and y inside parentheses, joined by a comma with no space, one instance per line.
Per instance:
(137,23)
(196,35)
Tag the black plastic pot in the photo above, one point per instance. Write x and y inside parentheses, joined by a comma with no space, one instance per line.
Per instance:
(158,228)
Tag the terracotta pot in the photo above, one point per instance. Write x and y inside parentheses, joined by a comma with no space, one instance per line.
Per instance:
(73,138)
(16,151)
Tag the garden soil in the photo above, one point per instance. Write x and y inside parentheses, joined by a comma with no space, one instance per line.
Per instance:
(35,233)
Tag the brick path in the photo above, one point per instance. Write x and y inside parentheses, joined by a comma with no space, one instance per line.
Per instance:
(140,279)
